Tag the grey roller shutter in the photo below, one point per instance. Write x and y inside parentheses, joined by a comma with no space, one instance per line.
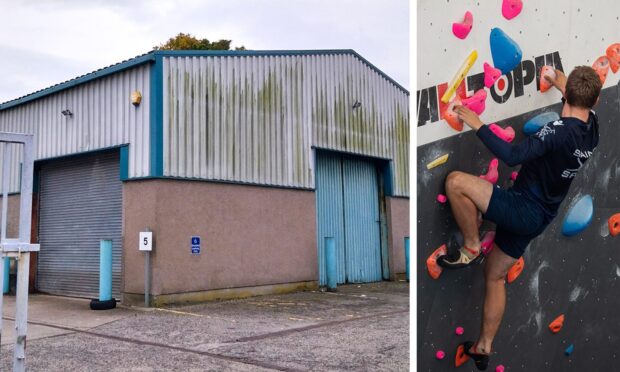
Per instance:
(80,204)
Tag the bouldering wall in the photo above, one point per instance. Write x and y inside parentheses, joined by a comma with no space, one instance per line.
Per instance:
(578,276)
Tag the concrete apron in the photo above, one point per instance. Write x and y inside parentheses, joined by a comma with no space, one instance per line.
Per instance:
(51,315)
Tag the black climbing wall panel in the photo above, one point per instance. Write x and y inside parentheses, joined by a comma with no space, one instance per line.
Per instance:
(577,276)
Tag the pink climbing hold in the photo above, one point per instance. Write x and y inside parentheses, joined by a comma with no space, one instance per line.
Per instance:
(491,74)
(442,198)
(461,30)
(499,368)
(514,175)
(476,103)
(511,8)
(440,354)
(486,244)
(459,331)
(507,134)
(492,175)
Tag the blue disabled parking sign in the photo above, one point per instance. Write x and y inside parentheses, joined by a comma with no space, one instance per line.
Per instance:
(195,245)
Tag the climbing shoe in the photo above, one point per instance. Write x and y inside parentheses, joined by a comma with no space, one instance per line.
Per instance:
(481,360)
(456,257)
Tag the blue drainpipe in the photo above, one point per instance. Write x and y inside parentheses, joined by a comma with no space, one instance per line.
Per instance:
(105,270)
(330,260)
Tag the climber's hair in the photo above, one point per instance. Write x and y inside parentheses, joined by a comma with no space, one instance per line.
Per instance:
(583,87)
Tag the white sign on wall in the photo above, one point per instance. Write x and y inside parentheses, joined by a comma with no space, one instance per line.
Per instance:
(146,241)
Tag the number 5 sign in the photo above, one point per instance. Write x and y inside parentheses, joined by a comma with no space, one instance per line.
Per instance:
(146,241)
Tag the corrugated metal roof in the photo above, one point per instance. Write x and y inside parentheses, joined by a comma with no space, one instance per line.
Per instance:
(150,56)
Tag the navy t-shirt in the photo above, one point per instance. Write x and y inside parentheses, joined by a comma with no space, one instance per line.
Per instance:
(550,158)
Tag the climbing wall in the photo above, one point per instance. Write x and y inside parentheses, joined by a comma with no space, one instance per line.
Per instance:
(578,276)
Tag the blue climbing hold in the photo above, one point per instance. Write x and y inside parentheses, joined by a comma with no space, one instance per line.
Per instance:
(534,124)
(569,350)
(579,216)
(506,53)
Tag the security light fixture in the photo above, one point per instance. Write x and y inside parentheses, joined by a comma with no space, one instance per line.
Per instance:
(356,104)
(136,97)
(67,112)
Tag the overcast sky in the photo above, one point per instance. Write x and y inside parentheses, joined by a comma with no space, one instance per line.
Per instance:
(46,42)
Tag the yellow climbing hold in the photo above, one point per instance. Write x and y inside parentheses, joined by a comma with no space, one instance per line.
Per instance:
(437,162)
(460,75)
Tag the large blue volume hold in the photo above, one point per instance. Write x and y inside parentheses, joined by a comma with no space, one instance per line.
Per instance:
(506,53)
(578,217)
(534,124)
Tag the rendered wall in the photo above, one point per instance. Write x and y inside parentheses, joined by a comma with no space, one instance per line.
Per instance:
(398,229)
(577,276)
(250,236)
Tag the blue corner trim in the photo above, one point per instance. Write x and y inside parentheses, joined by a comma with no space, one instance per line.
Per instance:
(156,118)
(124,162)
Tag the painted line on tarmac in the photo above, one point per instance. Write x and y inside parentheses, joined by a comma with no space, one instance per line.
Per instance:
(314,326)
(242,360)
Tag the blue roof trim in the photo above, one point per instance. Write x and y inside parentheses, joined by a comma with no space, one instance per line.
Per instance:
(151,56)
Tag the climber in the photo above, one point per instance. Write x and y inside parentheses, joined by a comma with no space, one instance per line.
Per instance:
(549,162)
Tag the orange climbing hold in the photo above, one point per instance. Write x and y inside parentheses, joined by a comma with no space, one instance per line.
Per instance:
(515,270)
(613,54)
(557,324)
(434,270)
(544,84)
(601,66)
(614,224)
(452,117)
(461,357)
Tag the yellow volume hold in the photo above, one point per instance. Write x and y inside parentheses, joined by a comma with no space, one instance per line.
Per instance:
(439,161)
(460,75)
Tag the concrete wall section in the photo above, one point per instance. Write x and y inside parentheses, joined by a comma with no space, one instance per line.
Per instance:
(250,236)
(398,228)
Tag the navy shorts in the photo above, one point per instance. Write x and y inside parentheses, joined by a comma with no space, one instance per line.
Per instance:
(518,218)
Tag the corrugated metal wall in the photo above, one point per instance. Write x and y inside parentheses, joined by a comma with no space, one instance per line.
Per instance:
(103,116)
(254,118)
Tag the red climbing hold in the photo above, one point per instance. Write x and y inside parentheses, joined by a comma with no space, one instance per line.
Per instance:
(557,324)
(491,74)
(461,357)
(601,66)
(476,103)
(499,368)
(613,54)
(511,8)
(514,175)
(459,331)
(515,270)
(544,84)
(434,270)
(440,354)
(461,30)
(452,117)
(442,198)
(486,244)
(507,134)
(614,224)
(492,175)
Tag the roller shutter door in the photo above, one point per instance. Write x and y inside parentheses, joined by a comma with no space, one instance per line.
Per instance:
(80,204)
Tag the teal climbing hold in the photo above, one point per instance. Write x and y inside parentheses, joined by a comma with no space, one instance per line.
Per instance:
(534,124)
(579,216)
(569,350)
(505,52)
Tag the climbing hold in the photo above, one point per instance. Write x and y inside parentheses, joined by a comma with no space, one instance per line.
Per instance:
(476,103)
(534,124)
(579,216)
(461,357)
(515,270)
(507,134)
(451,117)
(506,53)
(569,350)
(440,354)
(614,224)
(491,74)
(514,175)
(492,175)
(486,244)
(601,66)
(442,198)
(459,331)
(437,162)
(557,324)
(460,75)
(545,85)
(461,30)
(613,54)
(511,8)
(434,270)
(499,368)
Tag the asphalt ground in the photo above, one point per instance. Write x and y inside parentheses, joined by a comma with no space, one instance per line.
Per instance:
(359,328)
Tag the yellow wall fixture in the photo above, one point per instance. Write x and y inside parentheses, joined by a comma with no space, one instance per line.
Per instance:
(136,97)
(456,80)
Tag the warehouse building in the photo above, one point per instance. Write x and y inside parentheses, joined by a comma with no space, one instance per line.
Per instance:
(239,162)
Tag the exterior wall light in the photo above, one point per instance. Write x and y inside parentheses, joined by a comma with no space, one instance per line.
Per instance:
(66,112)
(136,98)
(356,104)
